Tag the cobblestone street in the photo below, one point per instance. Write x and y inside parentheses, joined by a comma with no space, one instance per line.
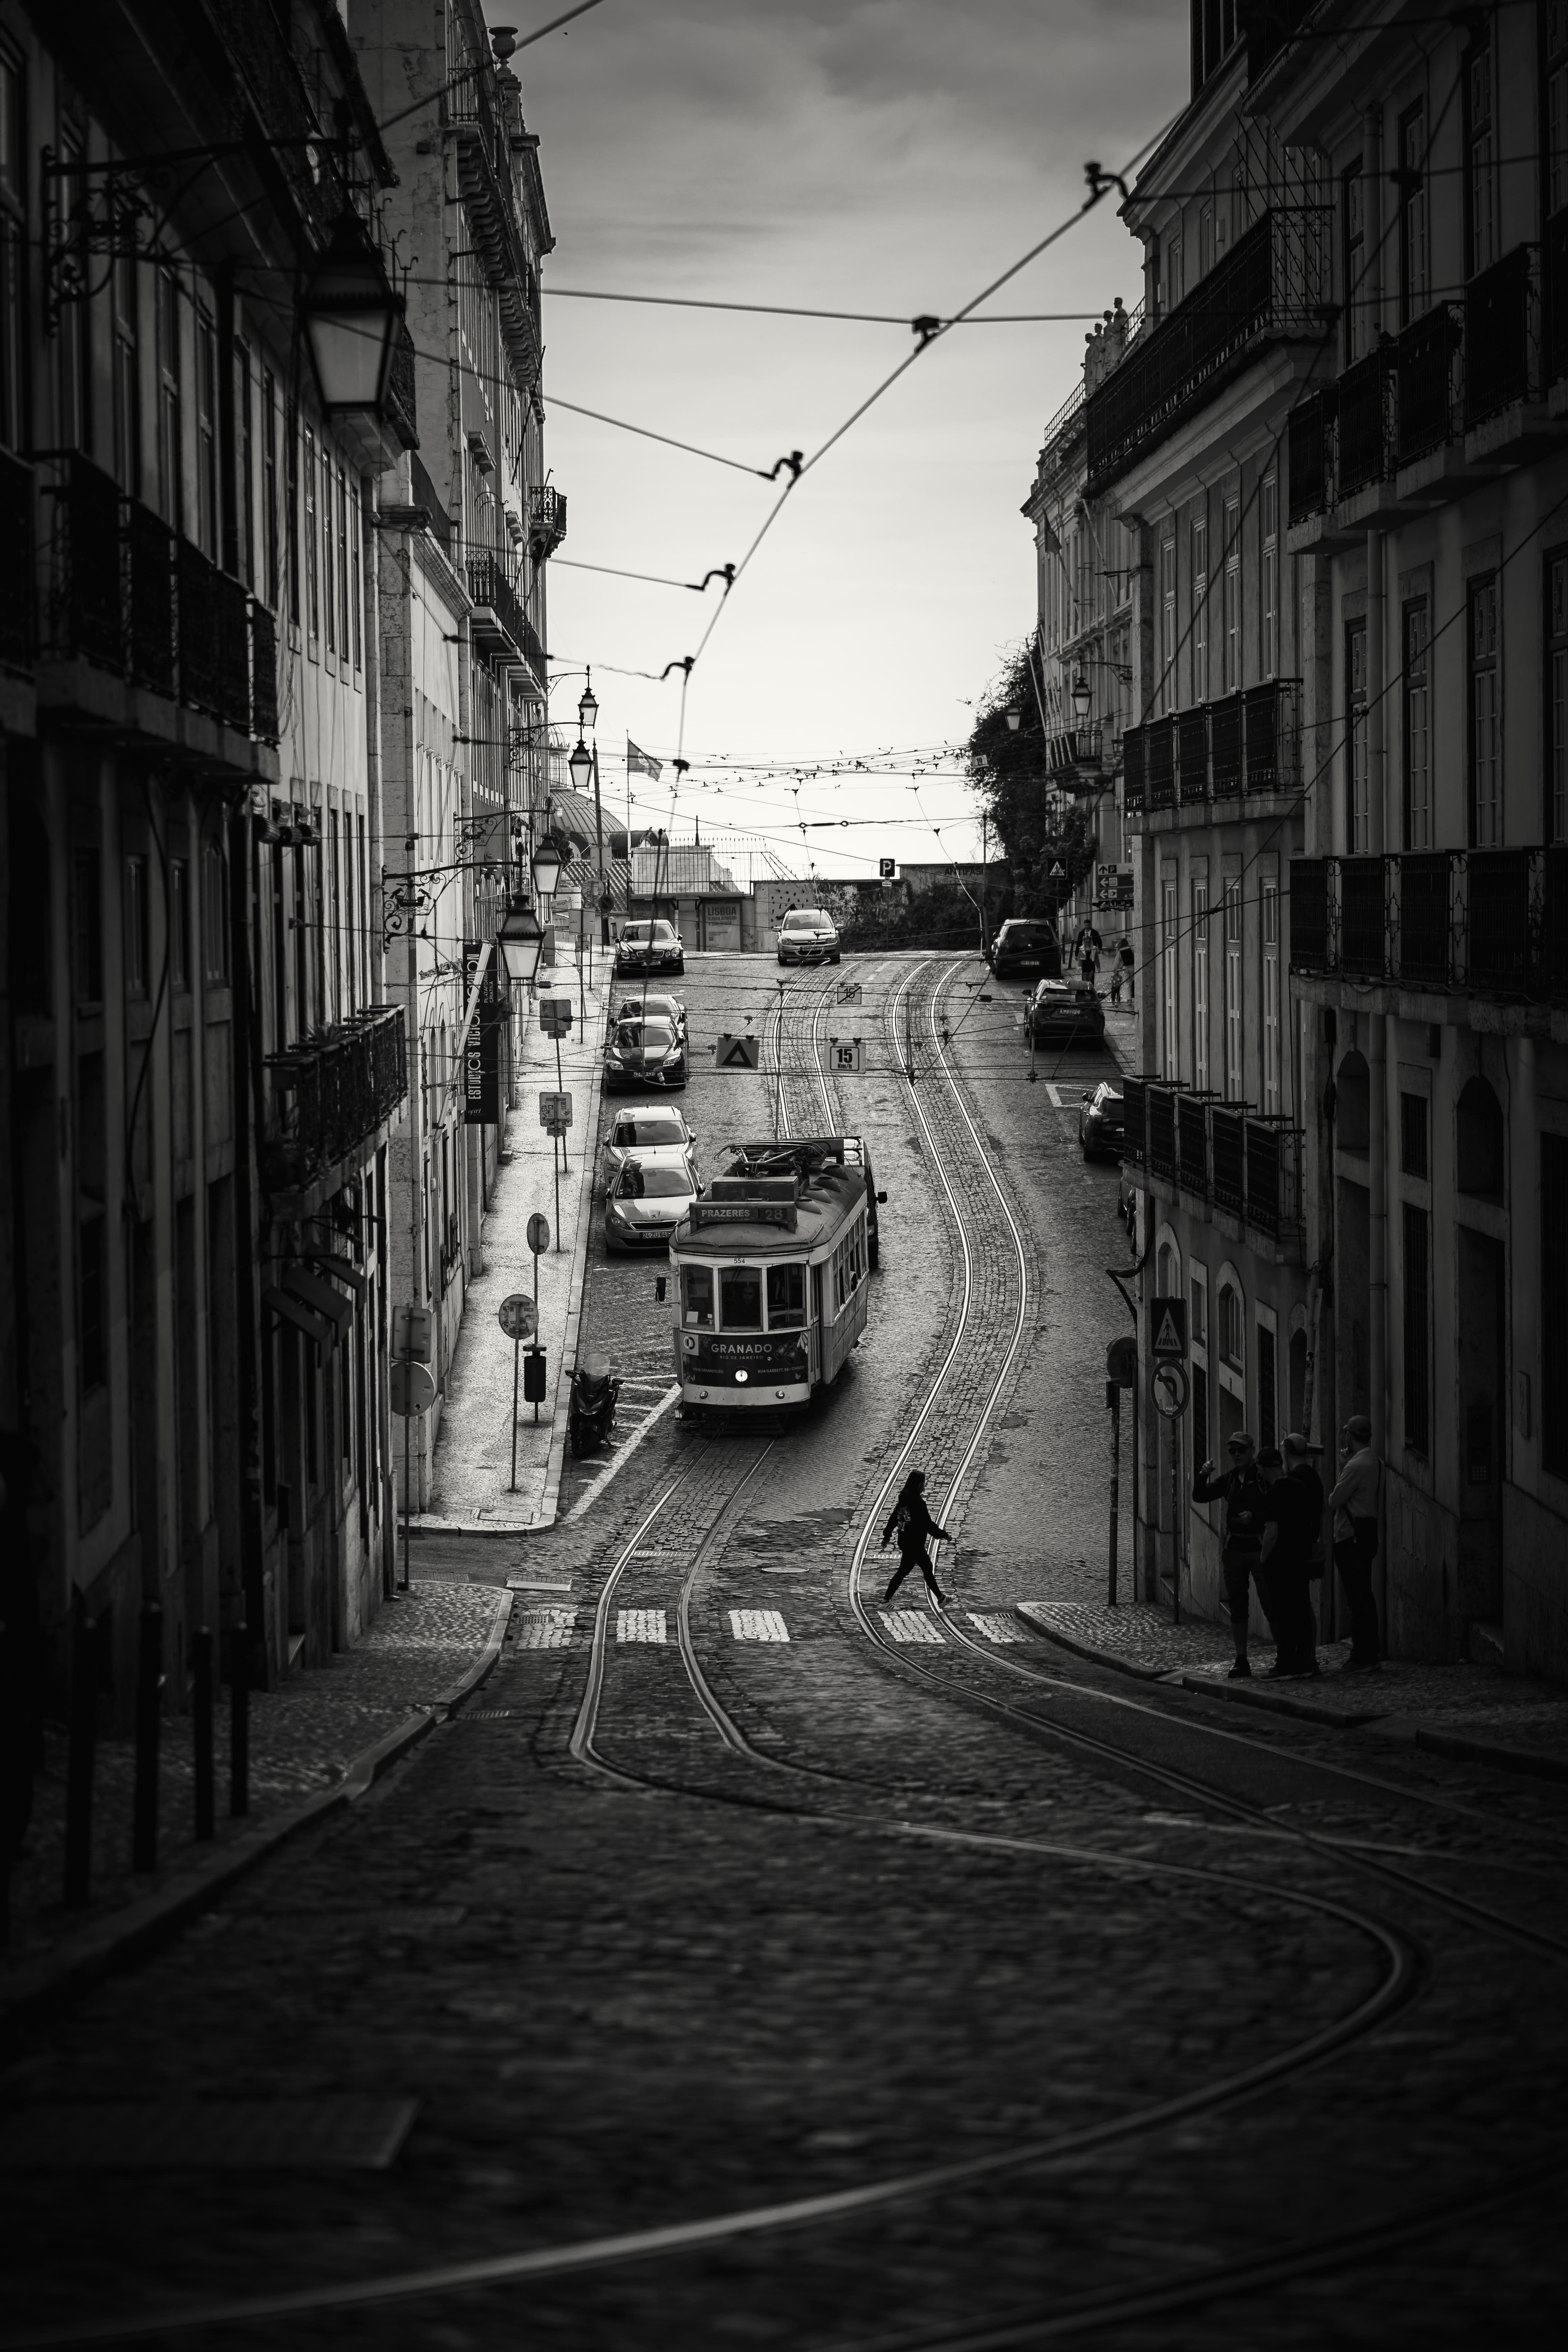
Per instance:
(753,1962)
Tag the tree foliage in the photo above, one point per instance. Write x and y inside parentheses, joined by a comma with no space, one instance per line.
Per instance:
(1035,827)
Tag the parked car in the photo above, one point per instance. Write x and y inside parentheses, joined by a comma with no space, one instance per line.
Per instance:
(1026,943)
(659,1008)
(647,1200)
(1100,1117)
(644,1054)
(649,947)
(808,935)
(636,1134)
(1065,1013)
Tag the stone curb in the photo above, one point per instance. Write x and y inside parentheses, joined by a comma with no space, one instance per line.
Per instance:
(1086,1649)
(136,1929)
(588,1161)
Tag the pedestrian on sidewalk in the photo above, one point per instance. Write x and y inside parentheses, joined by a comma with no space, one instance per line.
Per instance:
(1086,947)
(1124,966)
(912,1523)
(1240,1490)
(1293,1516)
(1354,1506)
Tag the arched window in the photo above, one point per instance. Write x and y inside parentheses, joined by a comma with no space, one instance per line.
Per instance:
(1232,1343)
(1479,1141)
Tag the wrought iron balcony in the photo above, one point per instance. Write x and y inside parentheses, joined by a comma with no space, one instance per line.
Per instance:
(1161,1121)
(1364,422)
(1273,1151)
(546,518)
(1487,921)
(1502,335)
(1427,374)
(1554,922)
(264,675)
(1555,271)
(1363,917)
(1428,903)
(1308,448)
(500,625)
(1192,1144)
(1228,1156)
(197,626)
(1503,917)
(1309,914)
(81,520)
(1134,1120)
(1133,771)
(327,1097)
(1246,743)
(150,604)
(1247,1163)
(1271,285)
(1160,737)
(18,591)
(1226,756)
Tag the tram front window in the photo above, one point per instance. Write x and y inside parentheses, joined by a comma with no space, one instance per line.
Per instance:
(697,1297)
(786,1297)
(741,1298)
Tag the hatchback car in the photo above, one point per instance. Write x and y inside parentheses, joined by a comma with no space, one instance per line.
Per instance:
(634,1134)
(644,1054)
(649,947)
(647,1200)
(1025,945)
(1100,1116)
(1065,1013)
(646,1004)
(808,935)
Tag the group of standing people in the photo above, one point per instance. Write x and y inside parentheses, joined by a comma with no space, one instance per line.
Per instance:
(1087,949)
(1273,1503)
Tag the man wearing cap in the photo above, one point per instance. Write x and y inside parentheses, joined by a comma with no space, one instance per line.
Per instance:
(1354,1506)
(1241,1492)
(1293,1506)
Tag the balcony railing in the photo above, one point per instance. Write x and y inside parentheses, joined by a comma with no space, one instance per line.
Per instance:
(1134,1120)
(1502,335)
(1363,416)
(1228,1153)
(1555,267)
(231,613)
(546,518)
(1269,285)
(1426,379)
(196,628)
(1489,921)
(494,594)
(150,601)
(1308,431)
(1248,743)
(1162,1126)
(264,675)
(328,1096)
(1192,1145)
(1132,771)
(18,591)
(1273,1175)
(1247,1163)
(81,520)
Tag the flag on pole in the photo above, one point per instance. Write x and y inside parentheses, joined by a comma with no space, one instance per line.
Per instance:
(640,763)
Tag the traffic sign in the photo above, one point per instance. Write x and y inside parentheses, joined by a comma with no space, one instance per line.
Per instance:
(538,1234)
(411,1333)
(737,1052)
(848,991)
(1058,869)
(1168,1329)
(1121,1363)
(556,1016)
(1171,1390)
(412,1390)
(885,868)
(554,1113)
(518,1315)
(844,1057)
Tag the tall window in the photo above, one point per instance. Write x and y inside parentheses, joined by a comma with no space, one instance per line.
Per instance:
(1174,280)
(1553,1302)
(171,482)
(1205,240)
(1486,716)
(1230,652)
(1233,990)
(312,574)
(206,437)
(138,928)
(1201,986)
(1268,1388)
(291,507)
(1358,318)
(214,914)
(127,377)
(1271,997)
(1414,268)
(1557,696)
(1268,575)
(1417,1329)
(1167,623)
(343,564)
(1418,726)
(13,252)
(179,923)
(247,467)
(1168,958)
(1480,201)
(1556,105)
(72,362)
(1357,827)
(1200,552)
(269,484)
(355,607)
(329,561)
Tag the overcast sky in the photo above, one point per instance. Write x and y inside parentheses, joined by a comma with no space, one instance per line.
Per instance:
(884,155)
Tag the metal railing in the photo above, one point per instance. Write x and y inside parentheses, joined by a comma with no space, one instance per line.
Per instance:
(1134,1120)
(1554,921)
(1270,284)
(1308,914)
(1427,382)
(1246,1162)
(1491,922)
(1424,936)
(1554,291)
(263,675)
(489,587)
(1273,1149)
(1160,739)
(80,518)
(1308,432)
(1226,747)
(18,626)
(1502,334)
(231,625)
(1503,922)
(1364,422)
(301,147)
(546,518)
(150,598)
(1192,1144)
(327,1096)
(1132,781)
(196,628)
(1363,917)
(1162,1131)
(1227,1155)
(1246,742)
(400,386)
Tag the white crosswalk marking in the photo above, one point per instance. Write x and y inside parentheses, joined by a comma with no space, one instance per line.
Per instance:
(1055,1096)
(910,1626)
(546,1629)
(758,1625)
(641,1625)
(993,1626)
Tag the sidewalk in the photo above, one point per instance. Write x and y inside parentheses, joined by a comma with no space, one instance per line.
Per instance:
(471,1483)
(1473,1712)
(319,1739)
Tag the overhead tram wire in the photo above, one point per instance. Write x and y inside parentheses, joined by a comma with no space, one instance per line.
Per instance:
(795,310)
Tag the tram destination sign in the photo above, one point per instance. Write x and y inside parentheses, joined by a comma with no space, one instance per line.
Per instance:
(744,1212)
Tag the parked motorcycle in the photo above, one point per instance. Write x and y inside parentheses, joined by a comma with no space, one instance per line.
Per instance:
(591,1408)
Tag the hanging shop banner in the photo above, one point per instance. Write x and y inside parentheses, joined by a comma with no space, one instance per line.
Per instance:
(481,1066)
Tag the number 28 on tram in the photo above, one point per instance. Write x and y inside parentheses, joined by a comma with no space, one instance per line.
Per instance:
(771,1270)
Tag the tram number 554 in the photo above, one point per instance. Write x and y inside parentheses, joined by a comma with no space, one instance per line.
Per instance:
(848,1057)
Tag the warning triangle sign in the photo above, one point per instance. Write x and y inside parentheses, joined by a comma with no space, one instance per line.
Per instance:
(737,1054)
(1167,1339)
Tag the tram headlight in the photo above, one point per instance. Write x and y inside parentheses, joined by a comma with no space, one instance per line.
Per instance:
(741,1376)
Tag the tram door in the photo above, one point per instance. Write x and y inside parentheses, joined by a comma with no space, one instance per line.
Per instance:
(816,1367)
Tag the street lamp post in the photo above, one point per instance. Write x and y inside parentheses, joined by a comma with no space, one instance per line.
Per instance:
(350,317)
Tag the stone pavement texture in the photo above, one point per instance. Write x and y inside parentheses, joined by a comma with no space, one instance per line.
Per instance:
(304,1736)
(471,1482)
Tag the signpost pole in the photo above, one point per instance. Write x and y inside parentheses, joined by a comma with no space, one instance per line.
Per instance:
(1113,1399)
(1175,1524)
(516,1350)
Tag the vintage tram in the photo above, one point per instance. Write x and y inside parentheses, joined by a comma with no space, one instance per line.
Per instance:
(770,1272)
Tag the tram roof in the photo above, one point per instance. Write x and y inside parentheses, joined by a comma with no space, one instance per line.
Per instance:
(826,1204)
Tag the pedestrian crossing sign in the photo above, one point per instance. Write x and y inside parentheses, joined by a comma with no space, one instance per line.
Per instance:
(1168,1326)
(737,1052)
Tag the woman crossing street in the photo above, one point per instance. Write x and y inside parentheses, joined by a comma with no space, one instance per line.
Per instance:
(914,1527)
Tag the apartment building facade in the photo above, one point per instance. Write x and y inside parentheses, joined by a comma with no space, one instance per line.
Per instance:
(201,1077)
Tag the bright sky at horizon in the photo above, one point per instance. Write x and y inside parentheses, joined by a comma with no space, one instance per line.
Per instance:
(878,155)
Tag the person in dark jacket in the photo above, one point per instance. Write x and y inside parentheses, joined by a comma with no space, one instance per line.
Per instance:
(1240,1490)
(912,1523)
(1293,1508)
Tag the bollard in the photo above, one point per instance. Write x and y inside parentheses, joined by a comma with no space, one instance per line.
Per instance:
(149,1701)
(239,1720)
(85,1677)
(202,1729)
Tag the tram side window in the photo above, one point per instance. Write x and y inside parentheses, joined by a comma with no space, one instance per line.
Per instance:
(741,1298)
(697,1296)
(786,1297)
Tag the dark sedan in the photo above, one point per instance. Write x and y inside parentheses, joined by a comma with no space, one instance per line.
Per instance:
(644,1054)
(1066,1013)
(1023,945)
(649,947)
(1101,1127)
